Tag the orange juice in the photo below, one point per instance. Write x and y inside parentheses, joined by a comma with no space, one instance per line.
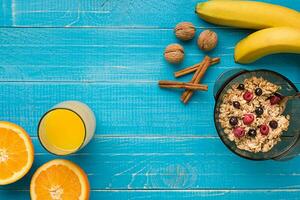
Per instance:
(67,127)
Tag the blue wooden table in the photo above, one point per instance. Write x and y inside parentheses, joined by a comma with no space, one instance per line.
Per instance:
(148,145)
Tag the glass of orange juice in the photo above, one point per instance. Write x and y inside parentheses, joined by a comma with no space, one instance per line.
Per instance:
(67,127)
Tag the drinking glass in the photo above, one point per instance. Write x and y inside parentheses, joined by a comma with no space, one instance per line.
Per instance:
(67,127)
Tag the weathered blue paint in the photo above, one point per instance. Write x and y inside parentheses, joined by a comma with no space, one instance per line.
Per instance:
(108,54)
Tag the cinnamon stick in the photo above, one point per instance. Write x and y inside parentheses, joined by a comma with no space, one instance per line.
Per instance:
(194,68)
(176,84)
(196,78)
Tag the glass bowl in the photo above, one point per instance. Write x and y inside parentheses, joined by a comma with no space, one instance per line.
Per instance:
(289,146)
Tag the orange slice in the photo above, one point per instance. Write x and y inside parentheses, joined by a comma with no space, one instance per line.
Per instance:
(59,180)
(16,153)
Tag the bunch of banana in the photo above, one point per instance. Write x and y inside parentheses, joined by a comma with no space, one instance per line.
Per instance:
(281,26)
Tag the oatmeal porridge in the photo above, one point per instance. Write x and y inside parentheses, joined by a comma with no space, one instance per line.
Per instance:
(251,115)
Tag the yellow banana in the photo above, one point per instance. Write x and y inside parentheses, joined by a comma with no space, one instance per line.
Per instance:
(267,41)
(247,14)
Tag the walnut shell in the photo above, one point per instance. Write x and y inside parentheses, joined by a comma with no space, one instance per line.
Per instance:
(174,53)
(207,40)
(185,31)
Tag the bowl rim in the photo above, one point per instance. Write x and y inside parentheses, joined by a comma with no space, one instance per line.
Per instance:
(217,96)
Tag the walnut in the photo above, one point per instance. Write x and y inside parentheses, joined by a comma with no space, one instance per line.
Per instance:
(174,53)
(207,40)
(185,31)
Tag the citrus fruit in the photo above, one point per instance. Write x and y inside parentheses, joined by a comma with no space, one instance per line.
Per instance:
(16,153)
(59,180)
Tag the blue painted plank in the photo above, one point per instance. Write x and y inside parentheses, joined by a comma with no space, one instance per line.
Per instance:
(105,13)
(207,195)
(120,108)
(183,194)
(130,108)
(115,55)
(170,163)
(5,13)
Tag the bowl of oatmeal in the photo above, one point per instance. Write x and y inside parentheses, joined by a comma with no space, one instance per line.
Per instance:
(250,117)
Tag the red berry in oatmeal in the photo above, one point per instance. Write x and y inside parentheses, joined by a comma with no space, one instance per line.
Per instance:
(251,115)
(275,100)
(264,129)
(239,132)
(248,119)
(248,96)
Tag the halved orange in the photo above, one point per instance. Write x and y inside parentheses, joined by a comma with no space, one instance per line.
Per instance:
(16,153)
(59,180)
